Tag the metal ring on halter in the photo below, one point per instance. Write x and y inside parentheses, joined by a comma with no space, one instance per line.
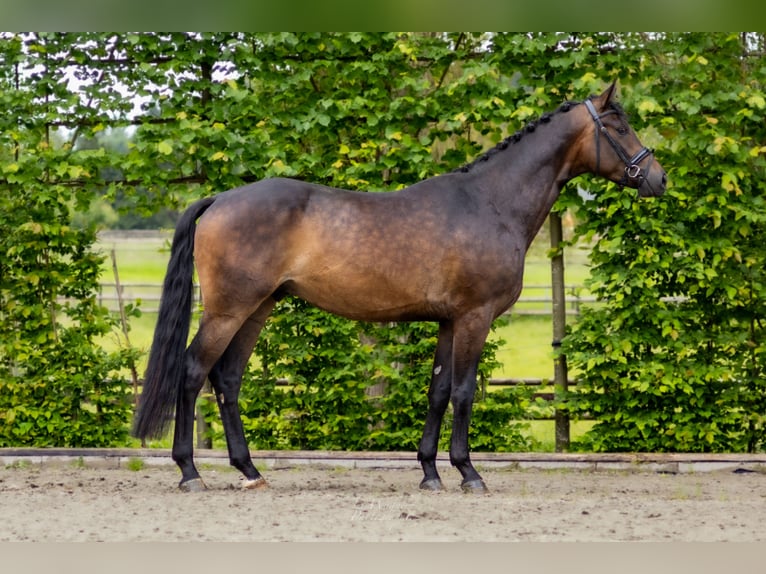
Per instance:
(633,171)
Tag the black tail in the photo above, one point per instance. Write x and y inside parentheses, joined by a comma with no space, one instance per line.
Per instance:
(166,370)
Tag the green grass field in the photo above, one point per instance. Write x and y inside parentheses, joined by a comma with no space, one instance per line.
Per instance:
(526,352)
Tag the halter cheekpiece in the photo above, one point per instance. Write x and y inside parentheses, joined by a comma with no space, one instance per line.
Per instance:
(633,171)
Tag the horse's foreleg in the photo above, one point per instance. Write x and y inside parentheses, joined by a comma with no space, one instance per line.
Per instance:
(226,377)
(438,399)
(470,335)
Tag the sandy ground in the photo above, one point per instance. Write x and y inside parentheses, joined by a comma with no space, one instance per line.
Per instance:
(65,503)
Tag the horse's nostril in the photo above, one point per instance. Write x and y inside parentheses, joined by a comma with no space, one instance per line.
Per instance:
(664,179)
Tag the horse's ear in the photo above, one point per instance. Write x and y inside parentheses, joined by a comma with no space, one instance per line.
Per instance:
(608,94)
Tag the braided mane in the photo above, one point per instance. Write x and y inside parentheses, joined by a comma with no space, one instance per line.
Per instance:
(516,137)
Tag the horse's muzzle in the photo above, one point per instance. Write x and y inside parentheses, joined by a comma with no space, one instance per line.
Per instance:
(655,181)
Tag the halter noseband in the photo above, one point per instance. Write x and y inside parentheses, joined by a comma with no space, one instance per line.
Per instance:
(633,170)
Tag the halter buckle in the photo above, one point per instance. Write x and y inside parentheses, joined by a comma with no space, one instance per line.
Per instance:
(633,171)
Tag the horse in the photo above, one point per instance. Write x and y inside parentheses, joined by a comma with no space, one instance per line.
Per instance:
(448,249)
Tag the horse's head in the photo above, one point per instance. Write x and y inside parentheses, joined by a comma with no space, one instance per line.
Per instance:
(615,152)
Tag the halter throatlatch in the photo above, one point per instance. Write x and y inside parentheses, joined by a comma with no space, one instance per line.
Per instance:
(633,171)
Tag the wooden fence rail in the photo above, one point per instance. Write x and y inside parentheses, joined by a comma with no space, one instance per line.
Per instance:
(536,300)
(547,395)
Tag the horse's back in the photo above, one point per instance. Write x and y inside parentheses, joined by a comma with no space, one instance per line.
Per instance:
(287,206)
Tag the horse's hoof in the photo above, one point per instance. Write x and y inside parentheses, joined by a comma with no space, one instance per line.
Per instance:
(475,486)
(193,485)
(432,484)
(254,483)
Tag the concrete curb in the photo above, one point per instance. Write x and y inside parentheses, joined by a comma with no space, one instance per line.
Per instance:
(647,462)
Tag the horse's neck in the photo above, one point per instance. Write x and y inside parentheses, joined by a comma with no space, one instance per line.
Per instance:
(524,181)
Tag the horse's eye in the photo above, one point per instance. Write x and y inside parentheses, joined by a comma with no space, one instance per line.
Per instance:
(622,130)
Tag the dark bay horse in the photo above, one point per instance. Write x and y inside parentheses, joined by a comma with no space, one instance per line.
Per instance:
(448,249)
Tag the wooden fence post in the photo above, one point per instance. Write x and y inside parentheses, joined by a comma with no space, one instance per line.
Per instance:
(124,325)
(560,382)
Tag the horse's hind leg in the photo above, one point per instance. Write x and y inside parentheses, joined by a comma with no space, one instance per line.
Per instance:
(206,348)
(226,377)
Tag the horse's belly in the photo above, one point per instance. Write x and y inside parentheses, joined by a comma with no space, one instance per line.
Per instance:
(367,299)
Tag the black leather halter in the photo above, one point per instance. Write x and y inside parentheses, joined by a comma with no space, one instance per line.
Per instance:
(633,171)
